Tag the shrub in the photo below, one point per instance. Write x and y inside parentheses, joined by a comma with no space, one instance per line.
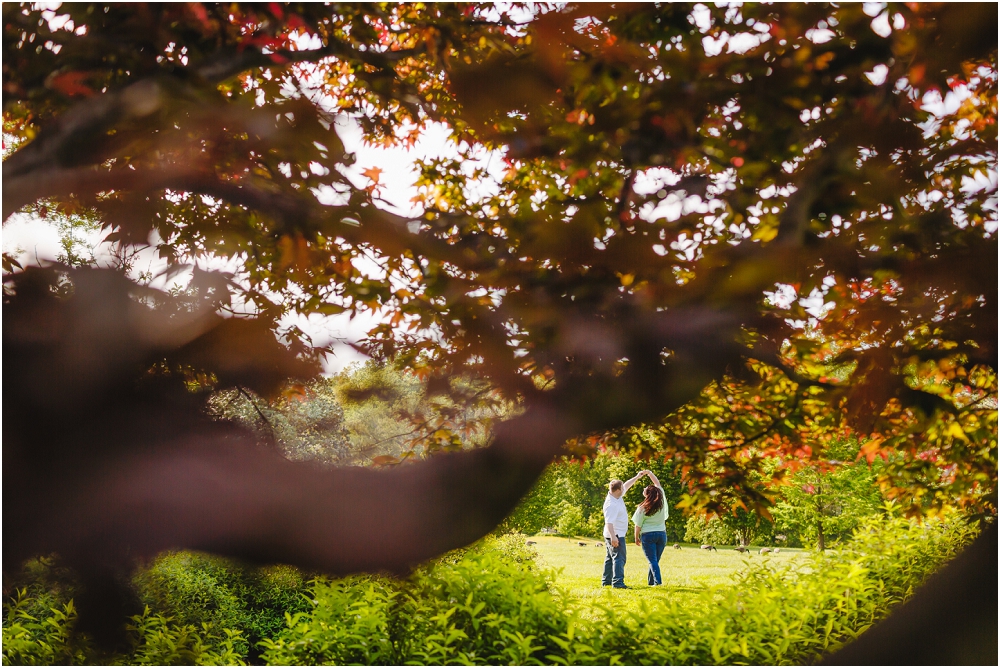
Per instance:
(348,623)
(489,606)
(199,609)
(512,547)
(159,641)
(195,589)
(38,631)
(40,636)
(712,531)
(537,509)
(192,589)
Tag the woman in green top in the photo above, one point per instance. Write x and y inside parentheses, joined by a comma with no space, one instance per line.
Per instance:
(651,528)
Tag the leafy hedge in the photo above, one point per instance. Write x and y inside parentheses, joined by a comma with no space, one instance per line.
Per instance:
(491,604)
(44,637)
(198,610)
(194,589)
(488,605)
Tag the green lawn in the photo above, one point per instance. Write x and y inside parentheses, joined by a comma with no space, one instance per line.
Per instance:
(685,571)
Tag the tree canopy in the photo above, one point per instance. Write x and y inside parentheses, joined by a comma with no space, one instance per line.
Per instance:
(724,235)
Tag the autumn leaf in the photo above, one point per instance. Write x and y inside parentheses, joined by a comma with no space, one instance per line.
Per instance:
(295,392)
(71,84)
(199,12)
(373,173)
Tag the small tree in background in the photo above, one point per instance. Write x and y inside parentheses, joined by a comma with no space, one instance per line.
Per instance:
(825,502)
(708,530)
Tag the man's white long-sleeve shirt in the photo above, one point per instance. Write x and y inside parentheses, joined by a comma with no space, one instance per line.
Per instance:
(616,515)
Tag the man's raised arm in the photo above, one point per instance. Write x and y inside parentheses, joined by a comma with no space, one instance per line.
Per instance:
(631,481)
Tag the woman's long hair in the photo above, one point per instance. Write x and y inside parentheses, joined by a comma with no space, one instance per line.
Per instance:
(653,502)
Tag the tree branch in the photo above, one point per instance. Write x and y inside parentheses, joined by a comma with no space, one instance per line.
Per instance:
(246,395)
(145,97)
(383,230)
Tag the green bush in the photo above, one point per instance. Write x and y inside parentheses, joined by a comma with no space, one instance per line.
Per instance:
(512,547)
(571,521)
(160,641)
(708,531)
(200,609)
(193,589)
(34,635)
(537,509)
(38,631)
(197,589)
(489,606)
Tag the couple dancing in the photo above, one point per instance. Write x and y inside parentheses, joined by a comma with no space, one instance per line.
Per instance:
(650,529)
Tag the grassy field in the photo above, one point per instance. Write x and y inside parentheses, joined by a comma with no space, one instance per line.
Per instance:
(685,571)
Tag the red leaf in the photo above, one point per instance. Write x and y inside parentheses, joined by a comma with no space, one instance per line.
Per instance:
(199,12)
(71,83)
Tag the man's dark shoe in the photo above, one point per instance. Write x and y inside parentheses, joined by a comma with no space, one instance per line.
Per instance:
(621,587)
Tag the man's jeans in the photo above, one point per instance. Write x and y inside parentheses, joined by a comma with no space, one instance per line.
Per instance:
(614,563)
(653,543)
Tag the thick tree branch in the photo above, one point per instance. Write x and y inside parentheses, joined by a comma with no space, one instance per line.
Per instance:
(211,491)
(20,191)
(385,231)
(106,462)
(145,97)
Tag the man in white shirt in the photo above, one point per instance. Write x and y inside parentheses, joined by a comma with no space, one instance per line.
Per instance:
(615,528)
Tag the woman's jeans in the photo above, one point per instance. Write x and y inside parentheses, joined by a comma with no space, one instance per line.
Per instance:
(653,544)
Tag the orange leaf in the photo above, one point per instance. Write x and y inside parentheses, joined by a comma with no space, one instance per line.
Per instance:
(372,173)
(71,83)
(296,392)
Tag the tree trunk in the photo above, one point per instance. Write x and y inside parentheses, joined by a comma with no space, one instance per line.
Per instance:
(820,542)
